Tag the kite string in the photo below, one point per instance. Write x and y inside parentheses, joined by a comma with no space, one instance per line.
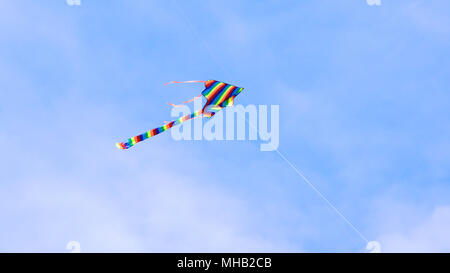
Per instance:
(310,184)
(278,152)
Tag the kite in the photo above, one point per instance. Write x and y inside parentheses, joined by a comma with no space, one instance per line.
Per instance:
(218,96)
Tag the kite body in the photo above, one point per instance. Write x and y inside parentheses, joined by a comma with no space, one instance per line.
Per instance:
(218,95)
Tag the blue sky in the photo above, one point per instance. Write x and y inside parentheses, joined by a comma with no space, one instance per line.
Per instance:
(364,114)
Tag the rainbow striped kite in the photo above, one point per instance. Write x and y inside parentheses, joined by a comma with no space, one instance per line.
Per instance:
(218,95)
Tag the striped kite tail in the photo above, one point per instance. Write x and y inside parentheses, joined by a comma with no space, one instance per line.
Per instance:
(156,131)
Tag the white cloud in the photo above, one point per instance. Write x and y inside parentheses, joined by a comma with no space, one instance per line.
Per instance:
(81,188)
(430,234)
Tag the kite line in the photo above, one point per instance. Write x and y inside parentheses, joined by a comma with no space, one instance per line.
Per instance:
(278,152)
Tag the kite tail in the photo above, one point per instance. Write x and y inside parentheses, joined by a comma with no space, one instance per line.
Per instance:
(132,141)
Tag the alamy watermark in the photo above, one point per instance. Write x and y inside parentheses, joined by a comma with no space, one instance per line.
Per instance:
(373,247)
(374,2)
(73,2)
(232,123)
(74,247)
